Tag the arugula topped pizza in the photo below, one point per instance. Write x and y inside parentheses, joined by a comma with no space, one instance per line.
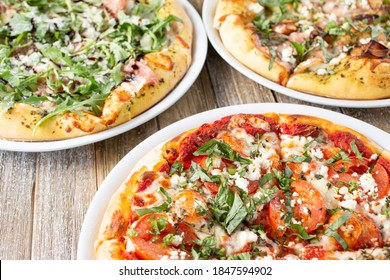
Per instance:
(336,48)
(254,186)
(71,68)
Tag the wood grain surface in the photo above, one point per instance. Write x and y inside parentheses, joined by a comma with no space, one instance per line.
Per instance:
(44,196)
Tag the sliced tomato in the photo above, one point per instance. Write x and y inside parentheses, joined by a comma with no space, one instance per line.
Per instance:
(371,236)
(343,139)
(300,129)
(312,210)
(211,186)
(129,256)
(338,178)
(329,151)
(277,213)
(187,204)
(350,231)
(382,180)
(149,243)
(149,246)
(354,164)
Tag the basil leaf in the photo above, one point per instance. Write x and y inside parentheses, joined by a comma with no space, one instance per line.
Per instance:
(177,167)
(169,199)
(298,158)
(199,173)
(158,209)
(273,55)
(302,234)
(265,179)
(317,139)
(332,229)
(236,214)
(220,149)
(339,156)
(240,257)
(268,195)
(356,150)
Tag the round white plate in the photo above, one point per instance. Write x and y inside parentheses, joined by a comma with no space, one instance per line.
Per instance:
(122,170)
(199,57)
(208,11)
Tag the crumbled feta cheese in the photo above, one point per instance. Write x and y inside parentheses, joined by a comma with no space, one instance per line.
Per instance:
(364,41)
(177,240)
(287,55)
(368,183)
(336,60)
(350,204)
(242,183)
(255,7)
(374,157)
(343,190)
(317,153)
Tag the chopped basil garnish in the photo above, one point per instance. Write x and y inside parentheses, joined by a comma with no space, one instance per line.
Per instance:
(386,208)
(177,167)
(241,256)
(265,179)
(298,158)
(302,234)
(284,184)
(356,150)
(199,173)
(158,209)
(220,149)
(332,229)
(339,156)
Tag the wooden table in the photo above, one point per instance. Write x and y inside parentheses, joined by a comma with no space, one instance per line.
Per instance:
(44,196)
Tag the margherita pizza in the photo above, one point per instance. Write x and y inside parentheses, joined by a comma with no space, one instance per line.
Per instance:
(338,49)
(72,68)
(252,186)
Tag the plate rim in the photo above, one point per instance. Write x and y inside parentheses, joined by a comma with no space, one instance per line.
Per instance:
(208,11)
(199,54)
(121,171)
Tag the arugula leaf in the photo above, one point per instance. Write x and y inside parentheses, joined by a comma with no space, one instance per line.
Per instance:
(220,149)
(19,24)
(332,229)
(356,150)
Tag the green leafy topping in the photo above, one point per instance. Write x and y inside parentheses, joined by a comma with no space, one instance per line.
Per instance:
(332,229)
(158,224)
(302,234)
(167,240)
(317,139)
(69,54)
(240,257)
(220,149)
(265,179)
(206,249)
(132,232)
(298,158)
(386,208)
(339,156)
(198,173)
(356,150)
(158,209)
(228,208)
(176,167)
(284,184)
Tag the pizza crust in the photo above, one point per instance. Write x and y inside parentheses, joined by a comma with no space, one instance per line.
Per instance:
(354,78)
(169,65)
(245,50)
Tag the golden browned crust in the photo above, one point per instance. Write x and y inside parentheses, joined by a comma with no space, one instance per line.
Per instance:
(169,65)
(354,78)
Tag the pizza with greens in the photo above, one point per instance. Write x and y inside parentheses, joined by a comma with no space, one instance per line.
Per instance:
(71,68)
(335,48)
(254,186)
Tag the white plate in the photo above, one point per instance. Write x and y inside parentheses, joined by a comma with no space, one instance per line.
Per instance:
(208,11)
(122,170)
(198,59)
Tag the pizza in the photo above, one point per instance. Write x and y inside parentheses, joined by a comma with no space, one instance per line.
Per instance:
(72,68)
(337,49)
(254,186)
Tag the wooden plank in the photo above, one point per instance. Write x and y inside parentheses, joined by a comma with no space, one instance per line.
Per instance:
(17,178)
(379,117)
(199,98)
(231,87)
(65,185)
(109,152)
